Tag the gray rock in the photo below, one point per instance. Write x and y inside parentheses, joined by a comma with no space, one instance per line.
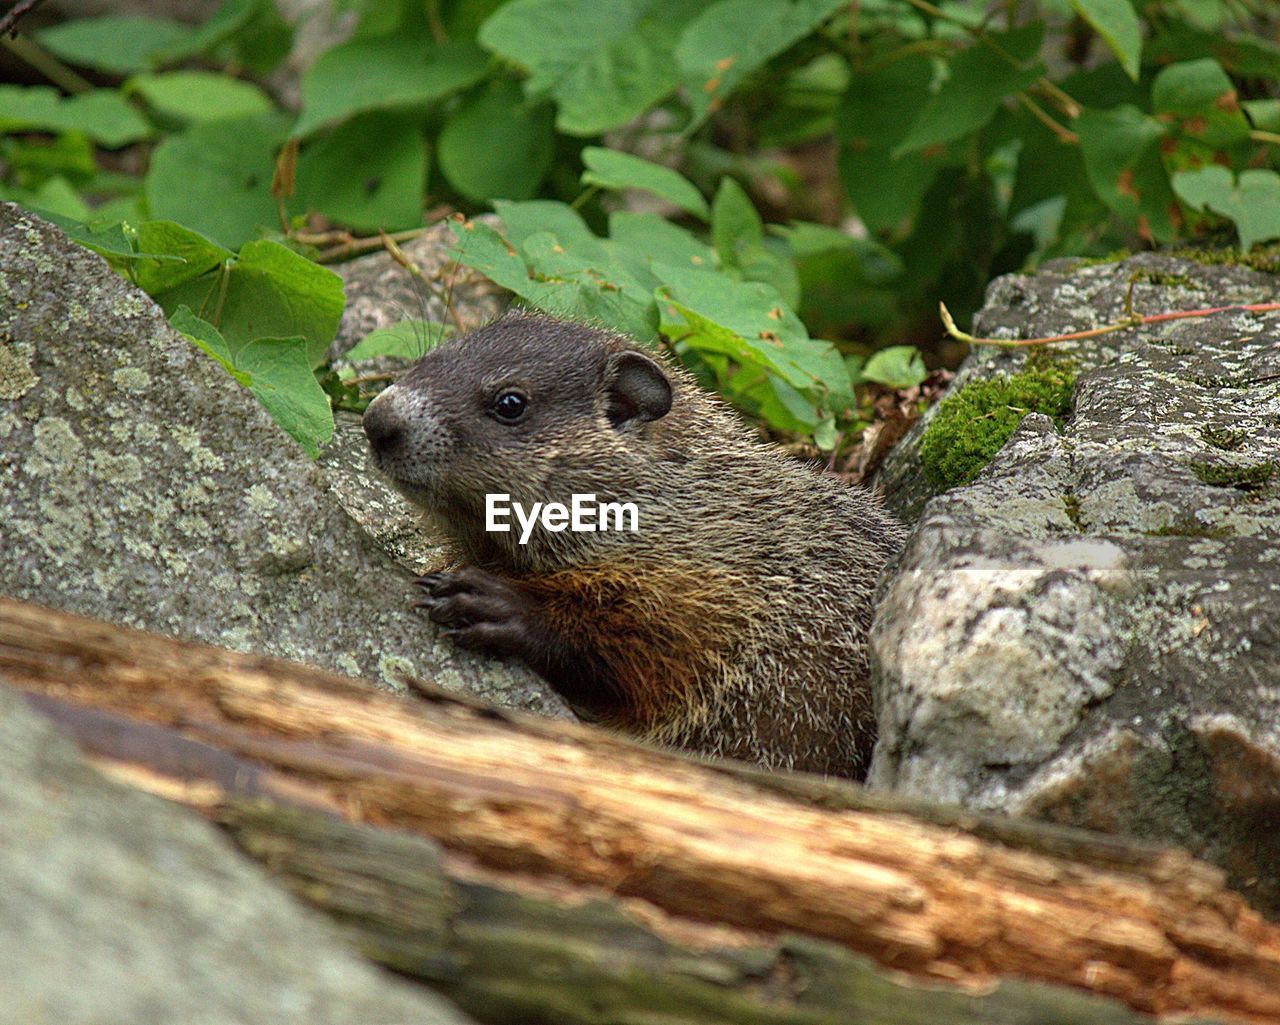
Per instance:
(393,523)
(381,292)
(1089,632)
(116,906)
(140,484)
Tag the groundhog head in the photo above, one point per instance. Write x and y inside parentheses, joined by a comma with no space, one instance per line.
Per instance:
(531,407)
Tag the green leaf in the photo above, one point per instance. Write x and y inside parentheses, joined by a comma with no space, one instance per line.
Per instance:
(479,246)
(824,435)
(874,116)
(368,174)
(101,114)
(186,256)
(520,220)
(603,63)
(33,158)
(274,292)
(109,240)
(879,105)
(407,339)
(611,169)
(765,330)
(1252,201)
(385,74)
(618,83)
(494,145)
(1265,114)
(120,208)
(570,285)
(898,366)
(269,291)
(115,44)
(276,370)
(553,278)
(1117,23)
(199,95)
(641,240)
(1199,97)
(58,196)
(232,17)
(1244,55)
(1122,160)
(969,98)
(738,234)
(216,178)
(732,38)
(807,238)
(284,383)
(736,228)
(209,339)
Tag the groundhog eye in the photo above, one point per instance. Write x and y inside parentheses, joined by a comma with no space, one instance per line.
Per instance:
(509,406)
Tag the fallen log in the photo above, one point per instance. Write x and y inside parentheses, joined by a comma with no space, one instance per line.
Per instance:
(543,871)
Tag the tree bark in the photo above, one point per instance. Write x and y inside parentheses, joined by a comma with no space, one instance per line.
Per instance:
(543,871)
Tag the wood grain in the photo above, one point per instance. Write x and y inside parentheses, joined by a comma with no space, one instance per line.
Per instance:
(935,894)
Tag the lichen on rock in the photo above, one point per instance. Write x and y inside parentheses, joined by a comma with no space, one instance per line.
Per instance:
(1089,630)
(142,484)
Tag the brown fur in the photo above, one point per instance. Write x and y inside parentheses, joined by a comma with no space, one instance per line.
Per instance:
(734,622)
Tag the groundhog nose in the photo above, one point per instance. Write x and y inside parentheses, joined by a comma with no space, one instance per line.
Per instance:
(383,427)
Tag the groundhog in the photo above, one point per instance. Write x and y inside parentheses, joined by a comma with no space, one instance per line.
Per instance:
(732,621)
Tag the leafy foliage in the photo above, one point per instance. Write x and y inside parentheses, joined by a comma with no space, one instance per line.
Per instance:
(265,314)
(779,190)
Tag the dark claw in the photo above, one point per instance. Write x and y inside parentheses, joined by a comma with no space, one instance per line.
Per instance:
(476,608)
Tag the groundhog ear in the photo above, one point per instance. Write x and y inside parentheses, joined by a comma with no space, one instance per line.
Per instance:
(636,389)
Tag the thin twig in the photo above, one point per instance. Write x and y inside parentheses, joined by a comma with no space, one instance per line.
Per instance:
(47,64)
(1063,133)
(438,32)
(1066,103)
(349,245)
(355,382)
(9,23)
(1069,106)
(397,254)
(1133,320)
(284,180)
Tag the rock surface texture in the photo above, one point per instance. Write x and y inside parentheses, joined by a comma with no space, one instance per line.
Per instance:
(1089,632)
(121,907)
(140,484)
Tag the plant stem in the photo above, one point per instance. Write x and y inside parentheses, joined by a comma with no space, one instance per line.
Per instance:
(47,64)
(1133,321)
(1063,133)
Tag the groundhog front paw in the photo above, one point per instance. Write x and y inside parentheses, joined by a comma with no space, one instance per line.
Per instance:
(478,609)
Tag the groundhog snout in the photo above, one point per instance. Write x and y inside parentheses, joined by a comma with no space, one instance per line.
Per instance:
(385,428)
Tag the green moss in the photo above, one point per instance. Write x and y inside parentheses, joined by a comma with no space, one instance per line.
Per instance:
(1071,504)
(1263,258)
(1115,256)
(1157,277)
(972,425)
(1189,529)
(1226,438)
(1217,381)
(1243,478)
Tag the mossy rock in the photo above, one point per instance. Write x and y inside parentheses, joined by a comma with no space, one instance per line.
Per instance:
(972,425)
(1087,630)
